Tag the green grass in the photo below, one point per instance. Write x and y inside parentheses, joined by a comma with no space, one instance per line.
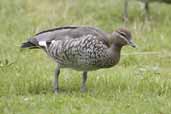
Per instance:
(139,84)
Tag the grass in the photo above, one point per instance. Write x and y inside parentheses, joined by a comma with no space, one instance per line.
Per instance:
(139,84)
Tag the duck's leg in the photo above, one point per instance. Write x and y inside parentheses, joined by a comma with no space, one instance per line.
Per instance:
(83,84)
(55,83)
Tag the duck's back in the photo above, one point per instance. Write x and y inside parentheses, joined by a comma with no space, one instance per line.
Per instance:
(70,32)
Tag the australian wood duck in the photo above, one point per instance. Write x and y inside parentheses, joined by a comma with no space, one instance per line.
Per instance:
(80,48)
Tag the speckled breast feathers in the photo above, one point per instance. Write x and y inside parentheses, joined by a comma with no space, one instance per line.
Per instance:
(84,53)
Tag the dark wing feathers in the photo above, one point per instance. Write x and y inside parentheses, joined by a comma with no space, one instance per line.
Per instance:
(68,32)
(28,45)
(58,28)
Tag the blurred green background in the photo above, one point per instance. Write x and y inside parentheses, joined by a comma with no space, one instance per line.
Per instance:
(139,84)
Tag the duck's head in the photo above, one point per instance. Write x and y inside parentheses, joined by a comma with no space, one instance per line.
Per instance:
(122,37)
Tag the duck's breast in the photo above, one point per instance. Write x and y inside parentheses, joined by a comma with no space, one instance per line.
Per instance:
(86,53)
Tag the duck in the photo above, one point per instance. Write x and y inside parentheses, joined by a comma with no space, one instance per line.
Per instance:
(82,48)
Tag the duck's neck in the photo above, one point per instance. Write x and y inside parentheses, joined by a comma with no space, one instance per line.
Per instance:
(116,47)
(115,51)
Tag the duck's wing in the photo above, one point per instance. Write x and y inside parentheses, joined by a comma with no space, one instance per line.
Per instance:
(66,32)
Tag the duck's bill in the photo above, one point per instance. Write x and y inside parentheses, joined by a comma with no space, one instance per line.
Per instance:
(132,44)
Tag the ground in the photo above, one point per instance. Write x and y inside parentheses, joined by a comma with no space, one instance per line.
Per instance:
(139,84)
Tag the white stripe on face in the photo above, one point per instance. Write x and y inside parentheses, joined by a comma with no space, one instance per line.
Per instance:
(123,37)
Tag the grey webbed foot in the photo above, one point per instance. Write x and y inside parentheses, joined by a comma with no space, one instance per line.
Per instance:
(83,89)
(56,91)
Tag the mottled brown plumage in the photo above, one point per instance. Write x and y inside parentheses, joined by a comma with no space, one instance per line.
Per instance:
(81,48)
